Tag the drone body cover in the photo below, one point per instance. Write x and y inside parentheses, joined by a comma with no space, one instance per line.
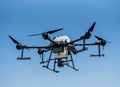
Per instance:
(61,52)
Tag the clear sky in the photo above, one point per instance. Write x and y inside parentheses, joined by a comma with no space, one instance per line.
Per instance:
(20,18)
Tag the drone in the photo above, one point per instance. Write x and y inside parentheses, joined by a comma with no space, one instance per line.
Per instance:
(61,49)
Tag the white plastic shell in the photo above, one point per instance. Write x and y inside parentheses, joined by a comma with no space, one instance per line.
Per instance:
(61,52)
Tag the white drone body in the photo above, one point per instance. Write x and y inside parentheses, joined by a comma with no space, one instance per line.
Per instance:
(61,52)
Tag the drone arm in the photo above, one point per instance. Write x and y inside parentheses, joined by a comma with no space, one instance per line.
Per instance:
(51,40)
(22,47)
(89,44)
(35,47)
(81,38)
(93,44)
(73,41)
(84,48)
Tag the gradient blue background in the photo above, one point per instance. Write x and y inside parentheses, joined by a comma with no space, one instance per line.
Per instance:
(20,18)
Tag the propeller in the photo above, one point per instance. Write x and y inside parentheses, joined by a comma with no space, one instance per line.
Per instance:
(48,32)
(88,33)
(14,41)
(18,44)
(103,42)
(101,39)
(92,27)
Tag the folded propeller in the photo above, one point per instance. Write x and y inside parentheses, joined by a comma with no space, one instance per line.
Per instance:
(48,32)
(103,42)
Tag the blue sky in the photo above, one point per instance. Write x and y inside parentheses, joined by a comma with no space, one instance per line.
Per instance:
(20,18)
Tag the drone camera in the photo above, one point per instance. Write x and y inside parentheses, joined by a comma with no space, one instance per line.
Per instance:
(60,63)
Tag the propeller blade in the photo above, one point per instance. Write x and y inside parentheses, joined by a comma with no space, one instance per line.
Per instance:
(92,27)
(14,41)
(34,34)
(48,32)
(88,33)
(53,31)
(99,38)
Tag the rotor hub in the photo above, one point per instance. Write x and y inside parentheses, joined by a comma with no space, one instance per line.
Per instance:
(18,46)
(45,36)
(103,43)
